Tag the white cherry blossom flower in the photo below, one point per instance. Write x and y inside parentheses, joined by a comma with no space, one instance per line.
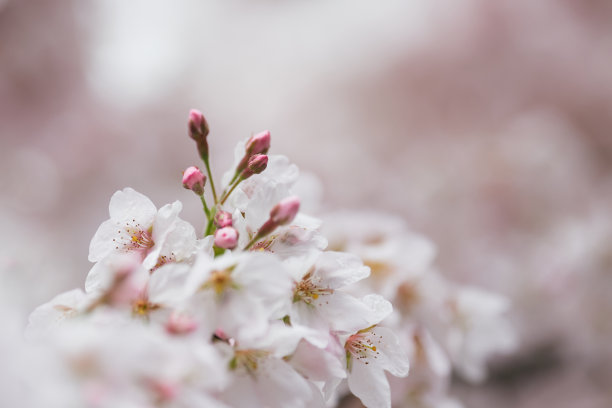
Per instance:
(260,376)
(430,368)
(134,365)
(369,353)
(384,243)
(468,323)
(136,226)
(319,298)
(237,293)
(49,317)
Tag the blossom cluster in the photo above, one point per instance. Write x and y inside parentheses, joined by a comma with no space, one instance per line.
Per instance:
(265,307)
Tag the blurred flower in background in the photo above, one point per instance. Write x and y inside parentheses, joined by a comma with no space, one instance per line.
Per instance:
(486,125)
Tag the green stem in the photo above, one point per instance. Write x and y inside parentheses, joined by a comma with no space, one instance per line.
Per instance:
(226,196)
(210,225)
(206,210)
(218,251)
(236,175)
(230,183)
(212,183)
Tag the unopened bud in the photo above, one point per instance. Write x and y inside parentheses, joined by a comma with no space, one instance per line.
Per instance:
(221,335)
(194,180)
(198,130)
(223,219)
(257,164)
(180,324)
(285,211)
(226,238)
(258,144)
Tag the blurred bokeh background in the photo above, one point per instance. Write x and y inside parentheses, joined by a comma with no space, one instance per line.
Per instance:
(487,125)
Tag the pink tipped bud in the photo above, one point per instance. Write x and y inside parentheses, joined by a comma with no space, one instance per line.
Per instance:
(180,324)
(285,211)
(226,238)
(198,127)
(223,219)
(221,335)
(258,144)
(257,164)
(194,180)
(198,130)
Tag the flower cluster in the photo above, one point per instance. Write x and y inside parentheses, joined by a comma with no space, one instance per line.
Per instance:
(443,326)
(257,311)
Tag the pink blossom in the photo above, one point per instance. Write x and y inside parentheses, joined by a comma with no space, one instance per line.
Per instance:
(226,238)
(285,211)
(194,180)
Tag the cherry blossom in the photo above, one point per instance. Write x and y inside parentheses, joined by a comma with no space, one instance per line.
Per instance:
(258,311)
(136,226)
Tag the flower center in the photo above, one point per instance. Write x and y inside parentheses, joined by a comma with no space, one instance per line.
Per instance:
(308,290)
(142,307)
(133,237)
(247,360)
(361,347)
(162,260)
(219,281)
(264,245)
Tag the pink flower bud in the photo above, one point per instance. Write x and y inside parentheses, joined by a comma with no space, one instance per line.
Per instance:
(258,144)
(180,324)
(285,211)
(221,334)
(198,130)
(198,127)
(223,219)
(226,238)
(257,164)
(194,180)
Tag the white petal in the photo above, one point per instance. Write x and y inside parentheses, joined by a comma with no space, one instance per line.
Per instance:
(380,308)
(370,385)
(338,269)
(282,340)
(129,204)
(316,364)
(102,242)
(392,357)
(242,392)
(344,312)
(96,277)
(169,285)
(180,242)
(281,386)
(165,219)
(48,317)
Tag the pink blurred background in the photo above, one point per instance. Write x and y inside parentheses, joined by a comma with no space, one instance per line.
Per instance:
(487,125)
